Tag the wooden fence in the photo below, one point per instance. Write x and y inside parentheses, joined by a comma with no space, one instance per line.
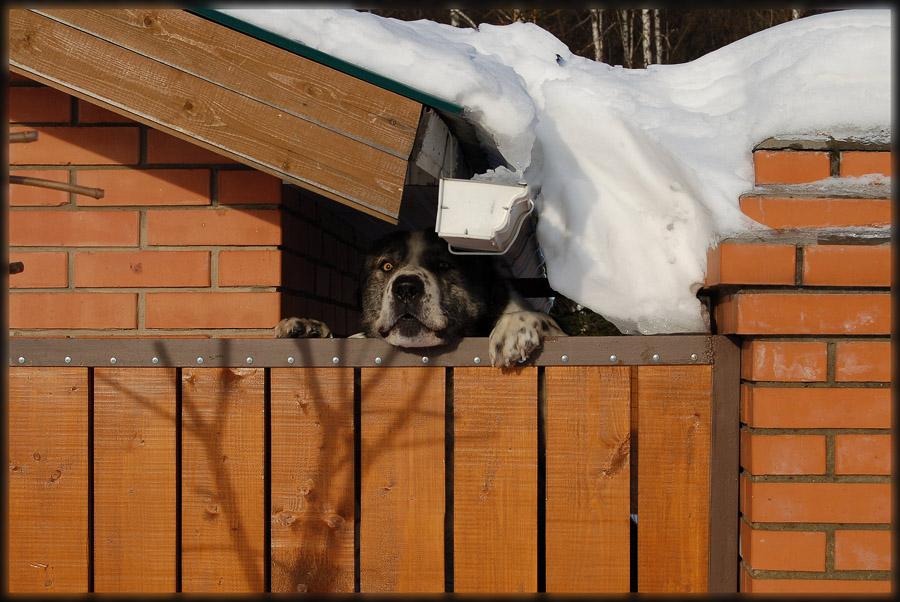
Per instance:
(246,465)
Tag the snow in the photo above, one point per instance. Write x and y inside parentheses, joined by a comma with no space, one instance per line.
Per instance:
(638,171)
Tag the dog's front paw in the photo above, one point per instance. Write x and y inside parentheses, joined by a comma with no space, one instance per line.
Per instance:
(517,334)
(302,328)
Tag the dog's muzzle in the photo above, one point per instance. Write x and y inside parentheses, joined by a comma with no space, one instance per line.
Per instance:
(409,323)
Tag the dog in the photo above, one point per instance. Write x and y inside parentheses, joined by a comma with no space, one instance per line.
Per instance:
(415,293)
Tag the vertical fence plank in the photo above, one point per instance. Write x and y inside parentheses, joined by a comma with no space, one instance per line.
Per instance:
(48,480)
(222,479)
(402,480)
(673,478)
(588,416)
(134,480)
(312,505)
(495,480)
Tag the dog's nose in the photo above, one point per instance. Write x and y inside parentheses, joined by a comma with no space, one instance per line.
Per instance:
(407,288)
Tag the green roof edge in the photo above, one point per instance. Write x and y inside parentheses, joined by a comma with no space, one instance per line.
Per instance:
(326,59)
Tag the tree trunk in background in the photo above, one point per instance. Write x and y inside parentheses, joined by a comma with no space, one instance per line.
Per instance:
(596,35)
(680,35)
(645,35)
(658,33)
(627,47)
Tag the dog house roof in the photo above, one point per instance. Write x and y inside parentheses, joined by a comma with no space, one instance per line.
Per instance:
(312,120)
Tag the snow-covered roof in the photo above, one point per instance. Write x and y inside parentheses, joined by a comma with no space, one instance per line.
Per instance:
(639,170)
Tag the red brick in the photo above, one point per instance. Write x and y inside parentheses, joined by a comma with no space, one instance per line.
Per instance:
(778,407)
(784,361)
(782,550)
(755,585)
(783,213)
(213,227)
(249,187)
(141,268)
(768,502)
(21,195)
(793,314)
(213,310)
(42,270)
(73,228)
(782,454)
(842,265)
(38,104)
(750,264)
(791,167)
(862,550)
(78,146)
(861,163)
(146,187)
(862,454)
(73,310)
(165,148)
(91,113)
(863,361)
(250,268)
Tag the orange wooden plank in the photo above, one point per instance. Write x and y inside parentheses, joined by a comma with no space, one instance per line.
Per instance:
(312,509)
(274,76)
(134,480)
(588,417)
(673,478)
(48,480)
(495,480)
(223,500)
(401,536)
(204,113)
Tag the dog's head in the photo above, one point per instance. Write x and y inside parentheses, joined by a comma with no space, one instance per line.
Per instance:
(415,293)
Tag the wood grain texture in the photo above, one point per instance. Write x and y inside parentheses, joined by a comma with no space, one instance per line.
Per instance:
(402,480)
(588,416)
(255,68)
(48,480)
(495,480)
(135,475)
(312,505)
(207,114)
(673,478)
(223,451)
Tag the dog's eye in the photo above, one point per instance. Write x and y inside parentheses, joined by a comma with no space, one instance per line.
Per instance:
(444,265)
(387,266)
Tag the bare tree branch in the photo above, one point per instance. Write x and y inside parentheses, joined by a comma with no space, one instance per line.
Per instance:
(457,14)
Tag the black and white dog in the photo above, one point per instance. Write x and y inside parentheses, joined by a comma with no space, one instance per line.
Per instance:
(415,293)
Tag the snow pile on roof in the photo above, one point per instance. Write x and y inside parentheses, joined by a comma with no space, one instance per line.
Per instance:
(639,170)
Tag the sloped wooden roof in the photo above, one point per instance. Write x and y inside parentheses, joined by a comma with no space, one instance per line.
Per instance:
(255,102)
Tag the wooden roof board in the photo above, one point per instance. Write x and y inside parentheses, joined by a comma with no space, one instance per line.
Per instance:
(327,59)
(170,70)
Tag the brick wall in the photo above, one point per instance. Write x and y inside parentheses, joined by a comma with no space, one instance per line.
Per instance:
(812,309)
(184,242)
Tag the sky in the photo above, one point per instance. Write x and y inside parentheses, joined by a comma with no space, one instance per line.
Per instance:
(636,172)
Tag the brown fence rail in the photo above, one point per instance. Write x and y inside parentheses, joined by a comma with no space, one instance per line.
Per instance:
(247,465)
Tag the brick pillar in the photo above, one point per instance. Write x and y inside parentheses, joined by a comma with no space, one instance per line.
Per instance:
(813,311)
